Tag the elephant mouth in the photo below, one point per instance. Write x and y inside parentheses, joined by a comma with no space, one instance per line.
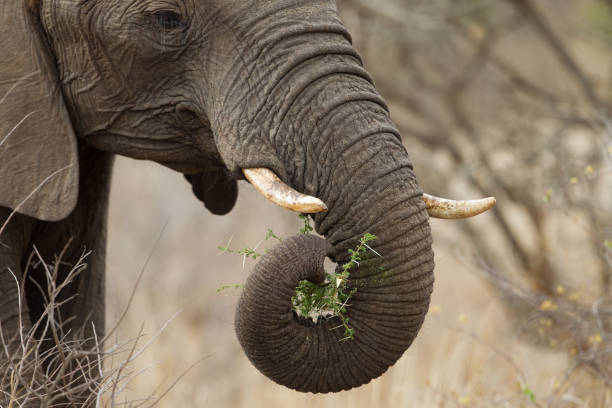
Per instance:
(275,190)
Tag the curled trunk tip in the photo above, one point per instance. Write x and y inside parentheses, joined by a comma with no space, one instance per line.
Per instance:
(308,355)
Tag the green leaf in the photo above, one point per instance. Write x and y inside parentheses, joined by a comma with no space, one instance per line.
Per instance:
(527,391)
(272,235)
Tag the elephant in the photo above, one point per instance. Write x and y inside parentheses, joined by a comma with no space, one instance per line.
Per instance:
(222,91)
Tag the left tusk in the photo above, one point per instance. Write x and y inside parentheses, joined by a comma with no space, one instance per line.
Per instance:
(450,209)
(267,183)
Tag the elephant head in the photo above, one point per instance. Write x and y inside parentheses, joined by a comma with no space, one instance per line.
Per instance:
(220,89)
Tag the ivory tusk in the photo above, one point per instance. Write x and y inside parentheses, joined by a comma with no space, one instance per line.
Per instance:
(267,183)
(450,209)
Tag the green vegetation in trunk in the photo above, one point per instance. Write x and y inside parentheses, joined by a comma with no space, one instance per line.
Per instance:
(313,300)
(331,297)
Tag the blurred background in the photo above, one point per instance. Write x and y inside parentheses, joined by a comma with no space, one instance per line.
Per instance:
(510,98)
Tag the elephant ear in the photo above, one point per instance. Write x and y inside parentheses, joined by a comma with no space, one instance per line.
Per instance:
(216,189)
(38,148)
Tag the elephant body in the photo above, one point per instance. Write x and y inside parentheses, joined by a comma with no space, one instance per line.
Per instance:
(210,88)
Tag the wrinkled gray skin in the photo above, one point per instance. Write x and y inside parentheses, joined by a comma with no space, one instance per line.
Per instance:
(207,88)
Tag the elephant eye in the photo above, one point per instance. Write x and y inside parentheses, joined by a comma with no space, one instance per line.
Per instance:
(168,20)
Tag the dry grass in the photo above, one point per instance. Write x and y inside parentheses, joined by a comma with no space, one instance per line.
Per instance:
(77,368)
(34,373)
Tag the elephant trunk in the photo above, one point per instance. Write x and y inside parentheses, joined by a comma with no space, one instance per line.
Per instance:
(311,114)
(365,177)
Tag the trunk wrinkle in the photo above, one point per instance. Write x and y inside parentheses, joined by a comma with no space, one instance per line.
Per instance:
(345,200)
(284,35)
(331,70)
(288,73)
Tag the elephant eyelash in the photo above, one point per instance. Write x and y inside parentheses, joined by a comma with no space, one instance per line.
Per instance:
(168,20)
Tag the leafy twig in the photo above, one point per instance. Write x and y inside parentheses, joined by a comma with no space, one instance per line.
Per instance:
(331,297)
(307,228)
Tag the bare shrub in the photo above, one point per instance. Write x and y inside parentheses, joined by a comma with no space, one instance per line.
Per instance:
(77,368)
(512,99)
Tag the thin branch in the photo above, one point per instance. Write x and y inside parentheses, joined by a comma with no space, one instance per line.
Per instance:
(528,9)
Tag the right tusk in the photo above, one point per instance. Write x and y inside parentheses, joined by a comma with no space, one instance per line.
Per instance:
(450,209)
(273,188)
